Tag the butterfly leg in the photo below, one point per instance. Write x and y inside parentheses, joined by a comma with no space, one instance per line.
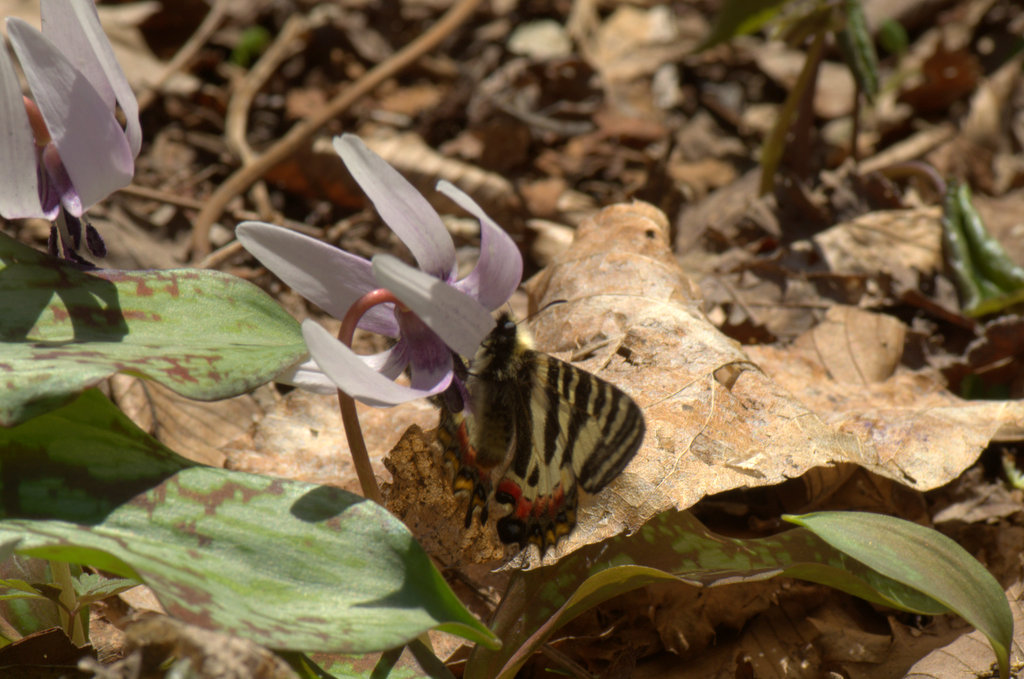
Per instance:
(460,459)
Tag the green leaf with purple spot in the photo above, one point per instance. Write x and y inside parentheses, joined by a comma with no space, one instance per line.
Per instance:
(882,559)
(205,334)
(290,565)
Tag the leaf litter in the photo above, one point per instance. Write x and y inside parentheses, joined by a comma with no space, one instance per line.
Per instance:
(795,351)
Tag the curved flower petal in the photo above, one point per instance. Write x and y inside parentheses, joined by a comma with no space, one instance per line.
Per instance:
(401,207)
(75,26)
(347,370)
(90,141)
(500,268)
(328,277)
(19,179)
(307,376)
(59,186)
(389,363)
(458,319)
(432,365)
(427,353)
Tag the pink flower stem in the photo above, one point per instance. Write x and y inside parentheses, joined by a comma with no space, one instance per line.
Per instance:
(347,405)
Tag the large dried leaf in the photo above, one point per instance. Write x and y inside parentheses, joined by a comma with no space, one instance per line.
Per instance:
(198,430)
(719,417)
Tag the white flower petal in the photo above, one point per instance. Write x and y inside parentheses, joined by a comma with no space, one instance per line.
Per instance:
(390,363)
(307,376)
(75,27)
(500,268)
(354,377)
(401,207)
(91,143)
(19,179)
(458,319)
(328,277)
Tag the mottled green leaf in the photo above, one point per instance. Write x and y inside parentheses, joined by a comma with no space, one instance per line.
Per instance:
(287,564)
(675,546)
(205,334)
(987,279)
(79,462)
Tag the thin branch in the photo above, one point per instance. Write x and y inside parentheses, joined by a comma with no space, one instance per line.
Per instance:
(302,131)
(211,22)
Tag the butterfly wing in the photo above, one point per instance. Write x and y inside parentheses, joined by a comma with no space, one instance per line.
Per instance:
(544,428)
(575,430)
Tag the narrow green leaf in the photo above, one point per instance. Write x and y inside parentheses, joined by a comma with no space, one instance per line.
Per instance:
(775,144)
(740,17)
(988,253)
(290,565)
(858,49)
(986,277)
(925,560)
(958,253)
(678,547)
(204,334)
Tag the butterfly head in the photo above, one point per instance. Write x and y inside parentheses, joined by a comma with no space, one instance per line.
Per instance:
(502,352)
(506,337)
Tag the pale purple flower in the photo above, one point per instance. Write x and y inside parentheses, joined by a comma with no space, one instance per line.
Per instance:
(81,154)
(443,314)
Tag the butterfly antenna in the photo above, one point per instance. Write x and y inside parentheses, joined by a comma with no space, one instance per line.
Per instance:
(544,308)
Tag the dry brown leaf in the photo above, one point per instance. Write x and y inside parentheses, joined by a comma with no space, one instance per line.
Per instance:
(855,346)
(635,319)
(198,430)
(719,418)
(904,245)
(630,45)
(907,428)
(421,496)
(212,654)
(301,437)
(970,656)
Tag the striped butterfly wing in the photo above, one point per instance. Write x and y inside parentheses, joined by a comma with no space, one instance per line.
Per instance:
(544,428)
(575,430)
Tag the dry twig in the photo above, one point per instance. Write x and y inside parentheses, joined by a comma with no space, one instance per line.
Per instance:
(303,130)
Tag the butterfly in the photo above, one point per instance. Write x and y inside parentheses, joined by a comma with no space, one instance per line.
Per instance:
(542,427)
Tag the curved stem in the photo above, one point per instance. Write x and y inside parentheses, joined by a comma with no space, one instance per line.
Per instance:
(916,168)
(347,405)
